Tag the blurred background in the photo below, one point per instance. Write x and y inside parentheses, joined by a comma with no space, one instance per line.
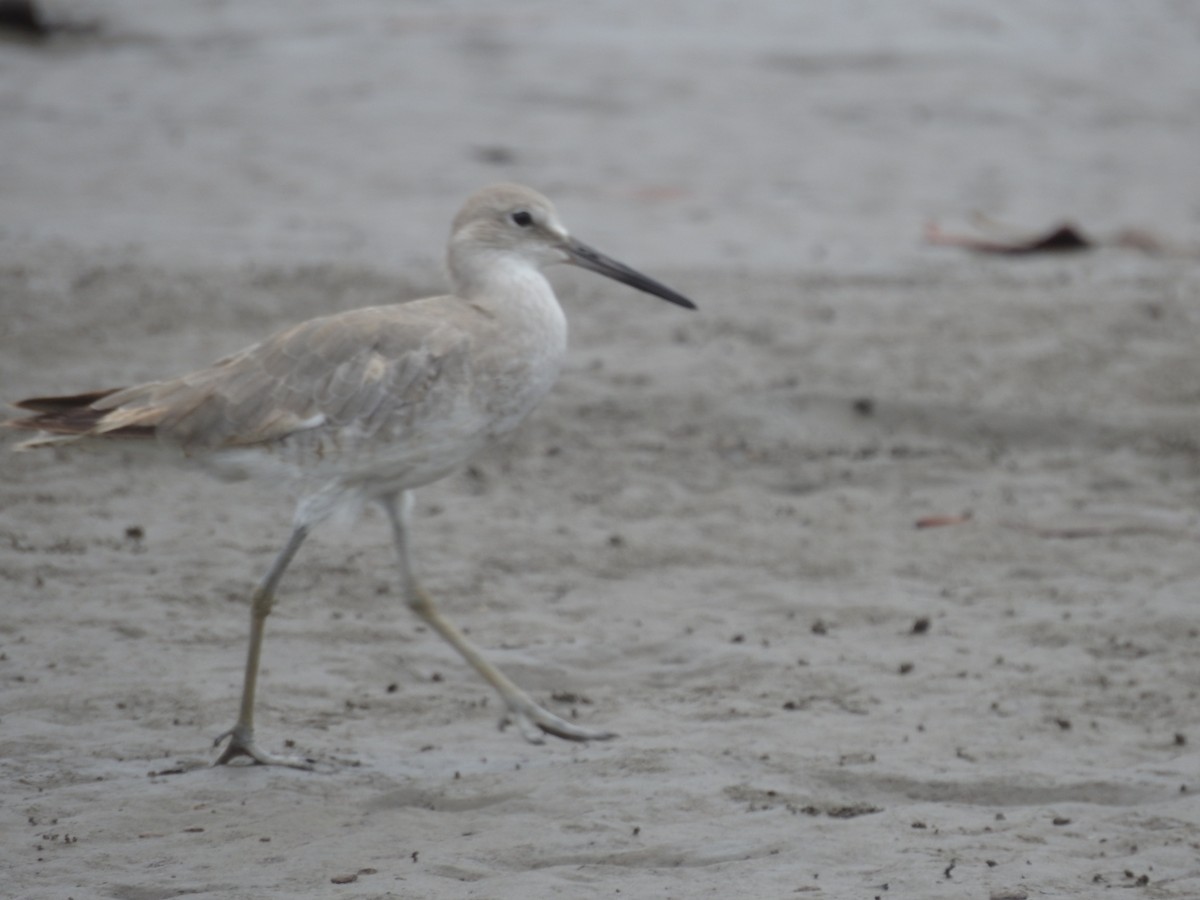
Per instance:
(768,136)
(889,547)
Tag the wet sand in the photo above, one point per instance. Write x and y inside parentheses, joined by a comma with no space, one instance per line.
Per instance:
(883,564)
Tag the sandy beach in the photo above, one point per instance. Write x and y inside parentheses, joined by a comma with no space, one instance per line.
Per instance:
(883,564)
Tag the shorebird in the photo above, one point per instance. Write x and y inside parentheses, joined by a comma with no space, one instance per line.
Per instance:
(367,405)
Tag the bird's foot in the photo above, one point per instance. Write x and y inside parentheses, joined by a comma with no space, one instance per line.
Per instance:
(534,723)
(241,743)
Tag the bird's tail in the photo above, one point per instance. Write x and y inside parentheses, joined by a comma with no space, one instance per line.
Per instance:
(61,420)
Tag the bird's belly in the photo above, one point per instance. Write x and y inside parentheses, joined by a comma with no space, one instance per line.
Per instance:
(392,457)
(403,445)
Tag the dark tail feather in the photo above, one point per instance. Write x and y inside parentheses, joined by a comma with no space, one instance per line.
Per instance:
(69,415)
(62,403)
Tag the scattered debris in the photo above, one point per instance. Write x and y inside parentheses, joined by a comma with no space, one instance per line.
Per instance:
(852,811)
(570,697)
(841,812)
(1065,237)
(495,155)
(22,18)
(856,759)
(941,521)
(24,21)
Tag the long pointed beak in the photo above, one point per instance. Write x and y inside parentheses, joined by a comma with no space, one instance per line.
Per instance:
(580,254)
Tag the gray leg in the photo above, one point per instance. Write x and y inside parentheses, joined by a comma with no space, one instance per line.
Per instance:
(530,718)
(241,735)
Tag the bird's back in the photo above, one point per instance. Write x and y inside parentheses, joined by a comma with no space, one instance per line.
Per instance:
(398,394)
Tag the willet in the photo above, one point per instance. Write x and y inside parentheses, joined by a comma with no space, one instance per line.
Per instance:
(368,405)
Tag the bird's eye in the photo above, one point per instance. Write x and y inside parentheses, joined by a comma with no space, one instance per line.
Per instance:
(522,218)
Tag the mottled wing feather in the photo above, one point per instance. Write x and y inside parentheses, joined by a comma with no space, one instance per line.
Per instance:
(358,368)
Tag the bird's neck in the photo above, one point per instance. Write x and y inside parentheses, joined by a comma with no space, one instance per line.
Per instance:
(530,339)
(511,289)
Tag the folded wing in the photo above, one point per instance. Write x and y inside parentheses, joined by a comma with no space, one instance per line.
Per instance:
(362,368)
